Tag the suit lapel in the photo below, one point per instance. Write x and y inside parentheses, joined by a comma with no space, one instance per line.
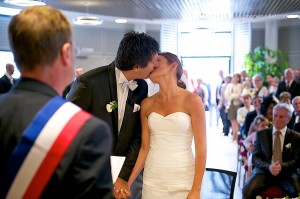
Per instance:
(269,143)
(287,139)
(293,85)
(128,110)
(113,94)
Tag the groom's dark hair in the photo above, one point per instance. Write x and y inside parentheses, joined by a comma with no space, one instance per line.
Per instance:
(135,49)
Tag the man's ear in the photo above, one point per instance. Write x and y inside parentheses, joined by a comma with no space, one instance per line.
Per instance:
(66,53)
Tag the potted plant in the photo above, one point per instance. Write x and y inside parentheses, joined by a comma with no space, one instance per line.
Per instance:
(265,61)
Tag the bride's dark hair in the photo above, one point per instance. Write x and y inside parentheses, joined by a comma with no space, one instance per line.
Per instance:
(171,58)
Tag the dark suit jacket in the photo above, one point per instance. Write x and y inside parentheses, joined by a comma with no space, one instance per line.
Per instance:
(291,123)
(84,171)
(67,90)
(297,127)
(263,147)
(294,90)
(92,91)
(5,84)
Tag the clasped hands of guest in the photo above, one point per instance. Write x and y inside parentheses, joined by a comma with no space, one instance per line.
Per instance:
(275,168)
(121,189)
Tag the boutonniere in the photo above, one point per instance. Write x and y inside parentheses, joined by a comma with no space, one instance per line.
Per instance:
(111,106)
(288,146)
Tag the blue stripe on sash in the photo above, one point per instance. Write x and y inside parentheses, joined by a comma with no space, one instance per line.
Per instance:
(23,147)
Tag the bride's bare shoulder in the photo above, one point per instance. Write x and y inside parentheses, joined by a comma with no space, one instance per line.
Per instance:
(148,101)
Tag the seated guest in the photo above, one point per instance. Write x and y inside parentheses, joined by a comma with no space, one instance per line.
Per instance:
(258,88)
(267,108)
(274,85)
(256,101)
(242,112)
(259,123)
(275,157)
(289,84)
(269,80)
(285,97)
(296,114)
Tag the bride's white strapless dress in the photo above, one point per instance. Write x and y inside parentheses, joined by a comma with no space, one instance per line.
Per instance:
(170,164)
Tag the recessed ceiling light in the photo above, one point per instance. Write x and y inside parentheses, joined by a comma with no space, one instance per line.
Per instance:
(293,16)
(87,20)
(25,2)
(121,20)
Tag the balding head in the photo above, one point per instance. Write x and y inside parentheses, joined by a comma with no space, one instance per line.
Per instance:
(10,69)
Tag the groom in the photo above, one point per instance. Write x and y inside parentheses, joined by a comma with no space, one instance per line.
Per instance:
(114,94)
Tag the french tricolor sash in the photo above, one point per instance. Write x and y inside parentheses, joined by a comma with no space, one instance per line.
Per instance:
(41,148)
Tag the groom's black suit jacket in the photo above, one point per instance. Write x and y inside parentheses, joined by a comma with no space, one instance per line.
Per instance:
(92,91)
(262,152)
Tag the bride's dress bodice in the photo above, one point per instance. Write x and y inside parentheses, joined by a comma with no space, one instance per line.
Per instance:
(170,161)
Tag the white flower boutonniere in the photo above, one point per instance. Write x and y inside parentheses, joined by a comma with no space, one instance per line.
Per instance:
(288,146)
(111,106)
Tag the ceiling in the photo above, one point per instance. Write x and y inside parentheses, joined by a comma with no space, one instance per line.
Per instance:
(181,10)
(156,11)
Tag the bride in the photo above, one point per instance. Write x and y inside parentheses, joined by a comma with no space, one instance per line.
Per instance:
(170,120)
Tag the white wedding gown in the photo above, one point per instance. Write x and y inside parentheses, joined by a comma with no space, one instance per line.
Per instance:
(169,167)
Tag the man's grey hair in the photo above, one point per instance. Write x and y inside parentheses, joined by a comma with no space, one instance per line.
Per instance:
(284,106)
(294,99)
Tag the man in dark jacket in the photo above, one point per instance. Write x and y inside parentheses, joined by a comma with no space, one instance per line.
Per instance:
(49,148)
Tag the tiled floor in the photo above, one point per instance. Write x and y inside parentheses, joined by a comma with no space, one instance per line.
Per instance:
(222,153)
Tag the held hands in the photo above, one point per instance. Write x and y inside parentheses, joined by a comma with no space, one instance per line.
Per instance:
(275,168)
(121,189)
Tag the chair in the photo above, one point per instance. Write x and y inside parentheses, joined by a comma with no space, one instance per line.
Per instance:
(218,183)
(241,163)
(272,192)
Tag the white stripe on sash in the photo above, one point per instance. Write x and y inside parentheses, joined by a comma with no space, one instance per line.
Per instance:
(40,149)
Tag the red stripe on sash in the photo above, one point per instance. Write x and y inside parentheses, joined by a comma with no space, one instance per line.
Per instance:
(55,154)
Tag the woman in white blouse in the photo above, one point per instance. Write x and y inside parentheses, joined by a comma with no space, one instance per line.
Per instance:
(232,94)
(259,89)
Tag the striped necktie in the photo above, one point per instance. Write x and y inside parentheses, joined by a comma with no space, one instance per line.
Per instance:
(277,155)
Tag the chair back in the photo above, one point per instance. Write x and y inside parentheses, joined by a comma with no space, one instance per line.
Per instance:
(218,183)
(273,192)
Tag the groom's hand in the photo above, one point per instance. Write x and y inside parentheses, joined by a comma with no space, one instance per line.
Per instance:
(121,189)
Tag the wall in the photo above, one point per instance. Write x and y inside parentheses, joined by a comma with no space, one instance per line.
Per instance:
(104,40)
(105,43)
(288,39)
(289,42)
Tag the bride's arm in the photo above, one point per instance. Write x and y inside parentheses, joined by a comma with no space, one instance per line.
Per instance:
(144,146)
(199,129)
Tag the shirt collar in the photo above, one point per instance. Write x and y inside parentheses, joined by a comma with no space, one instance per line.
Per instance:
(120,76)
(283,131)
(8,75)
(290,82)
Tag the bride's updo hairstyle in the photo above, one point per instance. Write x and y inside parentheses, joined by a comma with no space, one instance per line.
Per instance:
(171,58)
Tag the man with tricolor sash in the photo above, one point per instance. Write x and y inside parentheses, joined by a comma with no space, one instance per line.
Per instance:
(49,148)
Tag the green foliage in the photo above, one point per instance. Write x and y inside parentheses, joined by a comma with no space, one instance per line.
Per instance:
(256,62)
